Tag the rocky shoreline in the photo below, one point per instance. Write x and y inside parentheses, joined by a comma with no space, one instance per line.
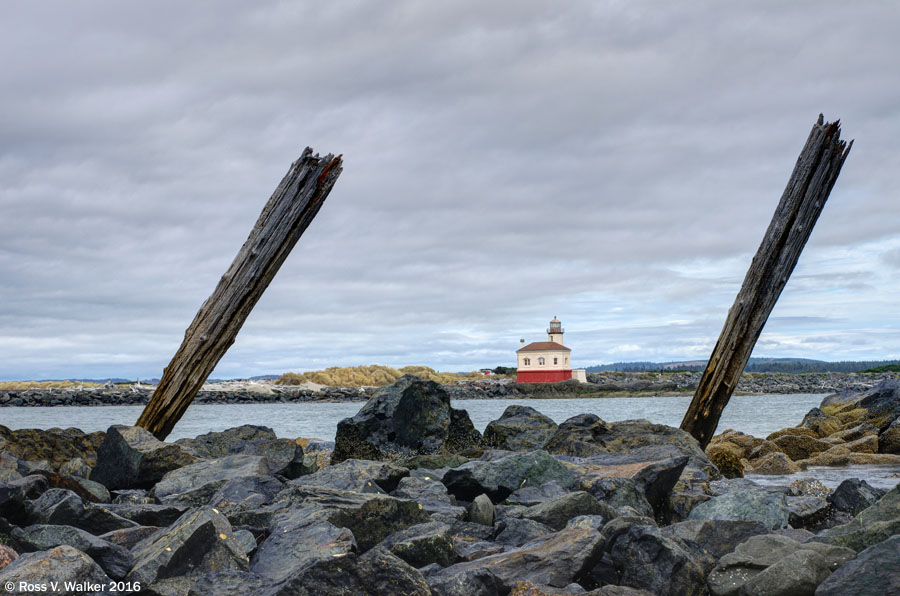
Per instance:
(612,384)
(410,499)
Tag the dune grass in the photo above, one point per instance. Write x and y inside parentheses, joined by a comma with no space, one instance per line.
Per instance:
(371,375)
(23,385)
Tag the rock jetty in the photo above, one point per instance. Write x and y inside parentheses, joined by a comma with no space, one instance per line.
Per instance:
(411,500)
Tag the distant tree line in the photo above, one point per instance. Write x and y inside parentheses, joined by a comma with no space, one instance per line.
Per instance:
(774,365)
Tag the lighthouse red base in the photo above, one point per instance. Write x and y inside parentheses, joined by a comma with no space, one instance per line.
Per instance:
(543,376)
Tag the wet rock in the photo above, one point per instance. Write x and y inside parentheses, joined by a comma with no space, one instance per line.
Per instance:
(245,493)
(519,428)
(557,512)
(375,573)
(870,526)
(587,521)
(839,455)
(7,556)
(131,496)
(228,582)
(84,488)
(498,479)
(148,514)
(423,544)
(55,445)
(743,442)
(726,461)
(431,494)
(798,574)
(410,417)
(795,431)
(820,422)
(131,457)
(764,449)
(114,559)
(756,554)
(874,572)
(357,475)
(14,493)
(295,542)
(579,436)
(514,532)
(532,494)
(763,506)
(129,537)
(75,467)
(774,464)
(798,447)
(866,444)
(715,537)
(62,507)
(481,511)
(195,484)
(284,456)
(555,560)
(807,511)
(691,489)
(857,432)
(616,491)
(808,487)
(645,558)
(65,565)
(889,439)
(853,495)
(201,541)
(375,519)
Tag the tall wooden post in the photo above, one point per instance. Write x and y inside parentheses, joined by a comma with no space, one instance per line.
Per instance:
(807,190)
(283,220)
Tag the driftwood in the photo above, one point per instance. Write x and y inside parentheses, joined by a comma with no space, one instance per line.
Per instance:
(807,190)
(283,220)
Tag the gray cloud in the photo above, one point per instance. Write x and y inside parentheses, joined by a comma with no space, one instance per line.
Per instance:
(615,165)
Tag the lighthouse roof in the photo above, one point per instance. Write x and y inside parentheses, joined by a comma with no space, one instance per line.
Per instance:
(543,346)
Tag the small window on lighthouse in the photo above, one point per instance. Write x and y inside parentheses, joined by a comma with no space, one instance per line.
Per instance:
(528,362)
(541,361)
(555,361)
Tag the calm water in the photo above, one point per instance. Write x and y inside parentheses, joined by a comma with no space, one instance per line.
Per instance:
(755,415)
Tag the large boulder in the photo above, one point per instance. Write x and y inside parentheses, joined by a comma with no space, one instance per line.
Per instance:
(201,541)
(874,572)
(284,456)
(131,457)
(557,560)
(114,559)
(410,417)
(431,494)
(195,484)
(767,507)
(853,495)
(799,447)
(889,440)
(376,518)
(870,526)
(556,513)
(73,572)
(519,428)
(500,477)
(716,537)
(62,507)
(54,445)
(646,558)
(357,475)
(797,574)
(423,544)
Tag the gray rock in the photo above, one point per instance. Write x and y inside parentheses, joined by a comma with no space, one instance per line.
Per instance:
(889,439)
(195,484)
(482,511)
(870,526)
(284,456)
(129,537)
(797,574)
(532,494)
(247,541)
(295,542)
(356,475)
(201,541)
(245,493)
(75,467)
(645,558)
(556,513)
(114,559)
(555,560)
(431,494)
(423,544)
(410,417)
(148,514)
(229,581)
(131,457)
(62,564)
(498,479)
(62,507)
(375,573)
(377,518)
(617,491)
(853,495)
(873,572)
(763,506)
(807,511)
(519,428)
(715,537)
(595,522)
(514,532)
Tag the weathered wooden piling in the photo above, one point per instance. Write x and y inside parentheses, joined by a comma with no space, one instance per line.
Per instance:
(804,198)
(283,220)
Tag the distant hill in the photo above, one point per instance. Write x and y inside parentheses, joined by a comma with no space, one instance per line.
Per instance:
(780,365)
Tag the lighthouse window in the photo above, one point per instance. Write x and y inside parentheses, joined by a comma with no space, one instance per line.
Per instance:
(541,361)
(528,362)
(555,361)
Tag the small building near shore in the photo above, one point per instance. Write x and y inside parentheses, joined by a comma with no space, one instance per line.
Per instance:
(547,361)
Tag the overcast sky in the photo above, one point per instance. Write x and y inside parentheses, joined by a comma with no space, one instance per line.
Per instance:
(611,163)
